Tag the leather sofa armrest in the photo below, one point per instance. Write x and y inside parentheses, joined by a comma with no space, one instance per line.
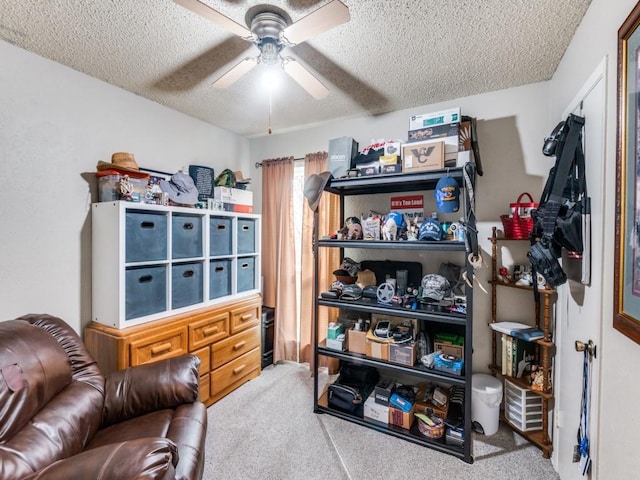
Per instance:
(149,458)
(150,387)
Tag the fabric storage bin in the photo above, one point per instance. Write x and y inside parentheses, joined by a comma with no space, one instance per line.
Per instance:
(186,236)
(219,278)
(145,291)
(246,236)
(186,284)
(220,235)
(246,274)
(146,236)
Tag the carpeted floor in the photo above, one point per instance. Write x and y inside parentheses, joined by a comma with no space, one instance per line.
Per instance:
(267,430)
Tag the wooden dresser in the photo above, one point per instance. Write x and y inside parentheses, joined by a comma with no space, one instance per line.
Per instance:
(226,337)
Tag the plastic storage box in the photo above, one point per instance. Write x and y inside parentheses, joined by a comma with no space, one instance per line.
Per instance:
(108,188)
(522,408)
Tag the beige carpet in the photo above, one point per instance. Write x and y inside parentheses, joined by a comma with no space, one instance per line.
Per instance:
(266,430)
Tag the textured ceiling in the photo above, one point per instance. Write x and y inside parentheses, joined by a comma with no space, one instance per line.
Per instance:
(391,55)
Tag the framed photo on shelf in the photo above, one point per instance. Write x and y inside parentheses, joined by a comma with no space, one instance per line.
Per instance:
(626,300)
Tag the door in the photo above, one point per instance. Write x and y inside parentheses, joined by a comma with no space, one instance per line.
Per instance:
(579,307)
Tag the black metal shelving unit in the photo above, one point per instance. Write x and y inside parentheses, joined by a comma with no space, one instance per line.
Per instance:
(423,181)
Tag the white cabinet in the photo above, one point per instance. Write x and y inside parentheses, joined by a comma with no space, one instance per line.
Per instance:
(150,261)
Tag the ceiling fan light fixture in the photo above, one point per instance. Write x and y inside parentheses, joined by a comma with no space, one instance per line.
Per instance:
(269,50)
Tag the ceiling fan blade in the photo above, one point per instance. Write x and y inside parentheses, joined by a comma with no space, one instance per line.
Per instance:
(214,16)
(326,17)
(235,73)
(304,77)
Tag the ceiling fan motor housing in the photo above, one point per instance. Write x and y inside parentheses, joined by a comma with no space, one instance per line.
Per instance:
(267,27)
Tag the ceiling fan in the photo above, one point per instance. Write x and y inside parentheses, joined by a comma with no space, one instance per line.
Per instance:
(271,32)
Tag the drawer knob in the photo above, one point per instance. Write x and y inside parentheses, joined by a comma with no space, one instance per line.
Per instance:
(237,370)
(239,345)
(162,348)
(246,316)
(210,331)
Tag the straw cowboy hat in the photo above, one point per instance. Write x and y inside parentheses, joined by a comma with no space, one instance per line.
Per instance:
(314,186)
(120,161)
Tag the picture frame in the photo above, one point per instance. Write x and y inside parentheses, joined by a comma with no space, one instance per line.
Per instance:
(626,295)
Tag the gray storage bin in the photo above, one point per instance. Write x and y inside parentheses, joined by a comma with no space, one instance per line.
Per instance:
(246,274)
(220,235)
(186,284)
(146,236)
(145,291)
(219,278)
(246,236)
(186,236)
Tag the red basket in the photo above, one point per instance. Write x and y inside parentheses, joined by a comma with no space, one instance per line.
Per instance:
(519,223)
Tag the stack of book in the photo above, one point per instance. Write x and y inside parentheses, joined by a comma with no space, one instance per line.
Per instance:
(518,351)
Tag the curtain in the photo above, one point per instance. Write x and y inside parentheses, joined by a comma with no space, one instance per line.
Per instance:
(328,260)
(278,255)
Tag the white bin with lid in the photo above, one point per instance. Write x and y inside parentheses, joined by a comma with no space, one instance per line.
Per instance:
(485,402)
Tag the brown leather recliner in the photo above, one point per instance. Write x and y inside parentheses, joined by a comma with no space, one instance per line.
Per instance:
(60,418)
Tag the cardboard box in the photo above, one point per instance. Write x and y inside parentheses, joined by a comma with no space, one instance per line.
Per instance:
(449,349)
(341,151)
(441,117)
(388,169)
(423,156)
(376,411)
(401,419)
(369,169)
(392,147)
(357,341)
(233,195)
(425,404)
(377,350)
(340,345)
(403,354)
(333,330)
(434,132)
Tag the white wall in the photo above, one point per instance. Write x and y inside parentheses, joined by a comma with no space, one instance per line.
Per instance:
(55,125)
(618,417)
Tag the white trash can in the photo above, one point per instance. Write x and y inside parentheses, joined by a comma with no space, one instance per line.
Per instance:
(485,401)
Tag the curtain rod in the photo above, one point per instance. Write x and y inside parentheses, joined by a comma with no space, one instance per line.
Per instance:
(259,164)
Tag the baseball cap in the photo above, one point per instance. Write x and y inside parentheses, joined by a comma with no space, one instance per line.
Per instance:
(434,287)
(447,195)
(430,230)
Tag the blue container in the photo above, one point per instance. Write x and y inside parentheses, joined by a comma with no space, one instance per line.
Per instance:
(186,236)
(145,291)
(246,236)
(186,284)
(246,274)
(145,236)
(219,278)
(220,235)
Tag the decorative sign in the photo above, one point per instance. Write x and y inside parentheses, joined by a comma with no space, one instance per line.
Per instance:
(410,204)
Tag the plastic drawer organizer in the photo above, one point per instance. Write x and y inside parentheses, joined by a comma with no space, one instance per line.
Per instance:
(151,261)
(522,407)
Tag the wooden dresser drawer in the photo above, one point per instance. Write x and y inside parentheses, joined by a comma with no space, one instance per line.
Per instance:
(231,348)
(158,346)
(233,374)
(210,328)
(244,318)
(205,385)
(204,354)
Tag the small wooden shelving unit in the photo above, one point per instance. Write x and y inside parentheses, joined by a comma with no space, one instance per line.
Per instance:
(545,347)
